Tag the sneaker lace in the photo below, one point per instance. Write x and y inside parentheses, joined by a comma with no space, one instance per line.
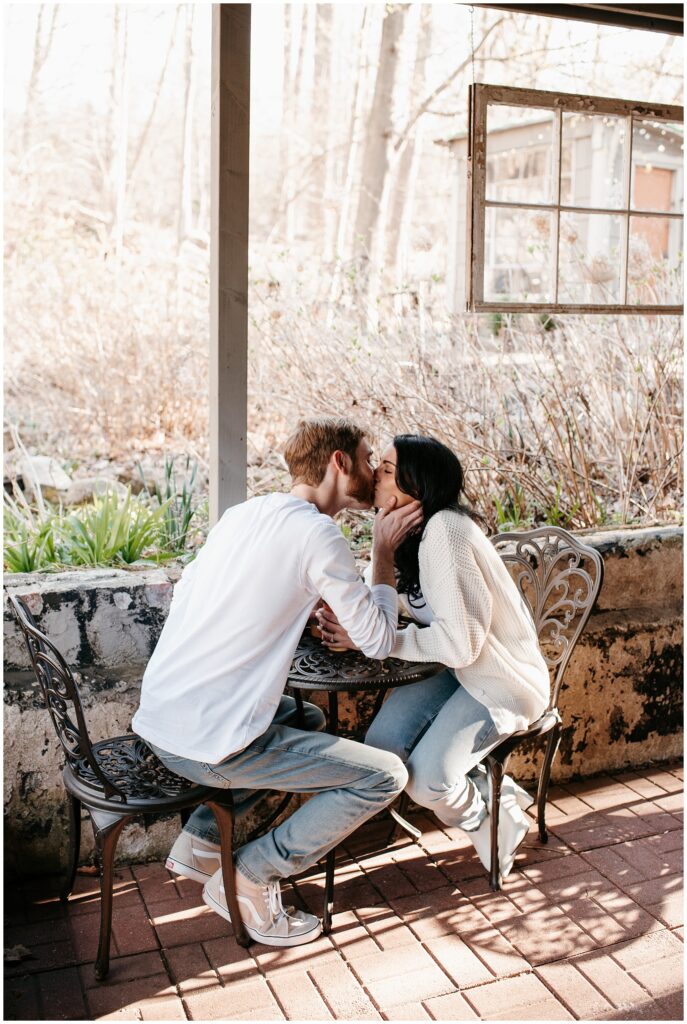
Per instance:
(274,902)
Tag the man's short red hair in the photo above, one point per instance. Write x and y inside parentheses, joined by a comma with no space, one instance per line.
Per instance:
(312,444)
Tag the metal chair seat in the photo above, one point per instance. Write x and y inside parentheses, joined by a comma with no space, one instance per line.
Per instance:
(150,787)
(114,781)
(137,773)
(548,721)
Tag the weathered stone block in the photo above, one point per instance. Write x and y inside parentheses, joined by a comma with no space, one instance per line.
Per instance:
(106,618)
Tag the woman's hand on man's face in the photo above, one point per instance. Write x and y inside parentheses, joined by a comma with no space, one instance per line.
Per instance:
(333,634)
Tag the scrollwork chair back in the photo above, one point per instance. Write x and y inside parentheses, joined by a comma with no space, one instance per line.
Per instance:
(559,579)
(61,697)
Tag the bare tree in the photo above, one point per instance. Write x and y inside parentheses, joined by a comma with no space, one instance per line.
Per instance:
(42,43)
(283,152)
(119,97)
(351,147)
(375,160)
(185,211)
(396,204)
(402,201)
(145,131)
(353,134)
(323,125)
(426,103)
(292,181)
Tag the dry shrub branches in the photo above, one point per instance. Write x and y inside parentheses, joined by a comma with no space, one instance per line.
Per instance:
(103,357)
(577,425)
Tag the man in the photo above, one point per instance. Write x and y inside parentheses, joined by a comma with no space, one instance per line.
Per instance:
(212,704)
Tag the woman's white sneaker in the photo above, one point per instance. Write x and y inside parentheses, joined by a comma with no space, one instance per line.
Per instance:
(194,858)
(263,915)
(513,828)
(481,840)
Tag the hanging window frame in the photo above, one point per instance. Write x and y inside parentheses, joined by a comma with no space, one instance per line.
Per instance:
(483,96)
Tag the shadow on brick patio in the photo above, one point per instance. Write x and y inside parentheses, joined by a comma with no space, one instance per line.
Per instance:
(587,927)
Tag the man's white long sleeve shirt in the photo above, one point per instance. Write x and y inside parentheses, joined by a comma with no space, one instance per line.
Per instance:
(220,666)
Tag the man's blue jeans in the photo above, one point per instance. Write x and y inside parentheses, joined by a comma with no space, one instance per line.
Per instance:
(350,782)
(440,733)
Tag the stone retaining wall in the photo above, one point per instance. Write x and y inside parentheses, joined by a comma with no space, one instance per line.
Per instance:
(621,700)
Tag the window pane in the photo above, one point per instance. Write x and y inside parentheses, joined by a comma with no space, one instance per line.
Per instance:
(657,166)
(517,255)
(589,258)
(593,153)
(654,264)
(519,154)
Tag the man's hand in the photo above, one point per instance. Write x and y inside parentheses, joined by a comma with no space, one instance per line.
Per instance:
(392,526)
(333,634)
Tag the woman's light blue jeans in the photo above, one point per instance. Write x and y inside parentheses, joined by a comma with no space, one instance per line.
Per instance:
(350,782)
(440,733)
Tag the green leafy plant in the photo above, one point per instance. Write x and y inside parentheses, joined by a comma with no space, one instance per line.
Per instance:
(555,514)
(26,551)
(513,511)
(109,531)
(29,532)
(179,500)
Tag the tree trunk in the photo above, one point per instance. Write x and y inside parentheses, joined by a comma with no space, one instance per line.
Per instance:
(41,52)
(185,211)
(351,148)
(120,110)
(403,164)
(343,210)
(320,211)
(375,157)
(294,99)
(401,203)
(143,137)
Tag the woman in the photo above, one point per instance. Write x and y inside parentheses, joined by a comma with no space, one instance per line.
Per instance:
(469,616)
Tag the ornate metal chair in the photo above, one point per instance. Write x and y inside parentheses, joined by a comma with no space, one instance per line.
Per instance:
(115,780)
(559,579)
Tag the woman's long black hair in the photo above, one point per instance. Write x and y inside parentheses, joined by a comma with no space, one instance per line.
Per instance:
(430,472)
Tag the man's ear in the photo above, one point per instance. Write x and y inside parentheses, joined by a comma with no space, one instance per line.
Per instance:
(342,461)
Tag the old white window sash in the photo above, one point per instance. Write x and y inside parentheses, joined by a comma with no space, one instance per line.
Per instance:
(543,251)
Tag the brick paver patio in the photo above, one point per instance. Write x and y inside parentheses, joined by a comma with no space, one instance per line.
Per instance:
(587,927)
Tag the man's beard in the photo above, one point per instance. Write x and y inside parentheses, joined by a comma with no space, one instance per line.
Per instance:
(361,489)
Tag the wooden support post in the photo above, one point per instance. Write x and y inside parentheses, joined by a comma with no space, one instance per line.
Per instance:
(229,255)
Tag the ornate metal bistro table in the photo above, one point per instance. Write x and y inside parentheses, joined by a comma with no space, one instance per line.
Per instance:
(314,667)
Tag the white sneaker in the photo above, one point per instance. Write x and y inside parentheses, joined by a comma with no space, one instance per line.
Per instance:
(481,840)
(480,778)
(513,827)
(194,858)
(262,913)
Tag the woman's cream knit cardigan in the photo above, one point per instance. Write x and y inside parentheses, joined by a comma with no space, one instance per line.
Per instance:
(478,623)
